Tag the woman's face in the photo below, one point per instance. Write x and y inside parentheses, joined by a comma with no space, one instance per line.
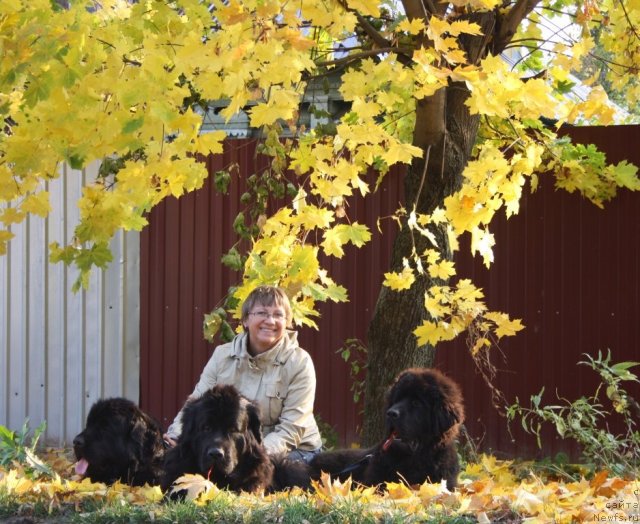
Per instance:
(266,326)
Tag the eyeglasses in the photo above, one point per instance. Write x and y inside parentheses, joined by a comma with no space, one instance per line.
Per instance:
(278,316)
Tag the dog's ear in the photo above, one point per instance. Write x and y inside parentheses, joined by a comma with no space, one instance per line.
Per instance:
(189,418)
(446,416)
(138,438)
(254,424)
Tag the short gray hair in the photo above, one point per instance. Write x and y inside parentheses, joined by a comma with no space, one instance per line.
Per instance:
(267,296)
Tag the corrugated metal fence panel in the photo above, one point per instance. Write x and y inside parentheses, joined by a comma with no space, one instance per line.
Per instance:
(571,272)
(60,351)
(568,269)
(182,279)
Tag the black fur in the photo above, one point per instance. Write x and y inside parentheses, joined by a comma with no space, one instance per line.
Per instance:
(221,439)
(424,411)
(120,443)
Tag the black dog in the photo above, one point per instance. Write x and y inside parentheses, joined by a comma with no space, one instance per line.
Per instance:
(221,439)
(119,442)
(424,412)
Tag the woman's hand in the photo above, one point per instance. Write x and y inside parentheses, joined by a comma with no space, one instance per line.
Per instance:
(170,442)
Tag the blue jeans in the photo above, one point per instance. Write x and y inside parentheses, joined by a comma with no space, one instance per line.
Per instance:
(303,455)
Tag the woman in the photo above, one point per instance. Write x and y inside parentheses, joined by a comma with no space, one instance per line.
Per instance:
(267,366)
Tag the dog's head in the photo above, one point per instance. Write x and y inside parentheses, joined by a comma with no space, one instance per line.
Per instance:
(424,407)
(118,438)
(221,428)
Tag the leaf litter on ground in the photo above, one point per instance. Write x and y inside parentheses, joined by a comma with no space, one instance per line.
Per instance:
(488,490)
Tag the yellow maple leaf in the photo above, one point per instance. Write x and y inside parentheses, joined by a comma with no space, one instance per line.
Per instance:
(264,114)
(597,107)
(327,489)
(332,242)
(464,26)
(194,485)
(413,26)
(399,281)
(11,215)
(37,203)
(528,502)
(311,216)
(358,234)
(626,175)
(479,344)
(505,327)
(443,269)
(429,333)
(399,152)
(14,482)
(210,142)
(303,264)
(398,491)
(365,7)
(148,494)
(482,241)
(429,491)
(437,304)
(467,291)
(498,469)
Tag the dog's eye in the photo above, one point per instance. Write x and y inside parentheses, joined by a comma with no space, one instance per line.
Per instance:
(416,403)
(205,428)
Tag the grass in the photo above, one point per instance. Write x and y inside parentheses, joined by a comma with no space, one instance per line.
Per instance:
(295,510)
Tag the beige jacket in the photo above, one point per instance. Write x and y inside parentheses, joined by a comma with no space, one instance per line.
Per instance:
(281,381)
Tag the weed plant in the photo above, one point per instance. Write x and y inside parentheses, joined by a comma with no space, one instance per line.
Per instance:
(586,420)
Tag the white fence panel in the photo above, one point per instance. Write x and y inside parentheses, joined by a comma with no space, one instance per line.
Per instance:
(60,351)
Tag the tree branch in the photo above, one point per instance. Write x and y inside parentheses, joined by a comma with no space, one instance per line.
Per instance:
(508,23)
(423,8)
(372,32)
(368,52)
(414,9)
(626,15)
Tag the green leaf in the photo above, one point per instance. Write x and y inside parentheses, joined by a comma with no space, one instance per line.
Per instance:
(227,332)
(238,224)
(626,175)
(75,161)
(132,125)
(221,180)
(233,260)
(621,370)
(211,325)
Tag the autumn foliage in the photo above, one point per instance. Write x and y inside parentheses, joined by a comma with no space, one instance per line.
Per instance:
(126,85)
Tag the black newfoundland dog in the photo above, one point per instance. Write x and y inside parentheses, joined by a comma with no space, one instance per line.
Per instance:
(221,439)
(119,442)
(424,412)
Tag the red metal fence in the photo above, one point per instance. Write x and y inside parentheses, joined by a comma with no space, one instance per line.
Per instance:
(570,270)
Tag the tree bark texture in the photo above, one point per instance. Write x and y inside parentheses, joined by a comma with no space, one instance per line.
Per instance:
(446,132)
(392,346)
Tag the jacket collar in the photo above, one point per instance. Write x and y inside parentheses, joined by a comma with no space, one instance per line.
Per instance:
(278,355)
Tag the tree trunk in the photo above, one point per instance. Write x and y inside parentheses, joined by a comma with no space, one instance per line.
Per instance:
(392,346)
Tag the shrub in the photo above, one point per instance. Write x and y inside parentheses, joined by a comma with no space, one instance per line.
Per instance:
(18,447)
(585,420)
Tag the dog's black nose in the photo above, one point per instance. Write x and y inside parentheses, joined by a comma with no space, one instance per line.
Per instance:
(78,441)
(215,453)
(393,413)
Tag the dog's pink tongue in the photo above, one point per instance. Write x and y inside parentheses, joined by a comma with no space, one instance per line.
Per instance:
(81,467)
(389,441)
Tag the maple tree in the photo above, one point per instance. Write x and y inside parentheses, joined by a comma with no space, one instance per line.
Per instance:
(462,92)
